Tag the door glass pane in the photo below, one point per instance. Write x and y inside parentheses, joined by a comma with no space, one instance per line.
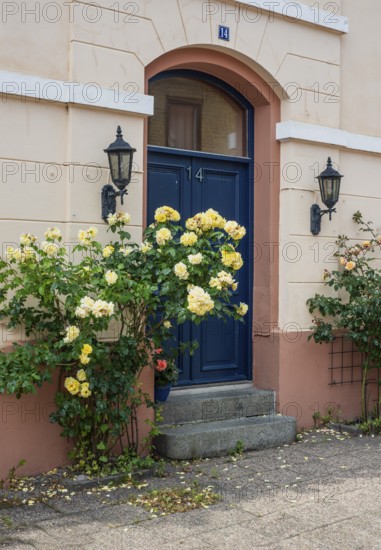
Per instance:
(195,115)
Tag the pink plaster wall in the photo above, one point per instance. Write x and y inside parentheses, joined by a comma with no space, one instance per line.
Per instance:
(298,370)
(26,433)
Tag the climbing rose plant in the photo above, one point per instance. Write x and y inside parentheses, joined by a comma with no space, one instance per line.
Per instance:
(357,306)
(103,315)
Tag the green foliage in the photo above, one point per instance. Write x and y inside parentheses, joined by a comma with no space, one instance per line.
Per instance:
(372,426)
(322,420)
(10,480)
(238,449)
(357,307)
(102,315)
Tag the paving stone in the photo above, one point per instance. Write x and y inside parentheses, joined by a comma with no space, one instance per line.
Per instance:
(335,502)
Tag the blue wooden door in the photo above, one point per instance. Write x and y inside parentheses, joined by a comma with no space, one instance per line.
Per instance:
(192,183)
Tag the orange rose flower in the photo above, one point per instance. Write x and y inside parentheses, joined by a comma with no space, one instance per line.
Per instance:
(350,265)
(161,365)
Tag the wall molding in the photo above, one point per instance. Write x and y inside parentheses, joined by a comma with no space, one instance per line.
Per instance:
(90,94)
(300,131)
(294,12)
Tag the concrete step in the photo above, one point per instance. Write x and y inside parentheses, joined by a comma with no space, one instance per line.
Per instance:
(208,439)
(215,404)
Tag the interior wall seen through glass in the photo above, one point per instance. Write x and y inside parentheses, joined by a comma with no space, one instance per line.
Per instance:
(193,114)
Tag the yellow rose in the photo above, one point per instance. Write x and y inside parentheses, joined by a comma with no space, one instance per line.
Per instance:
(145,247)
(92,232)
(166,213)
(72,332)
(85,307)
(18,255)
(188,239)
(111,277)
(10,251)
(87,349)
(53,233)
(181,271)
(366,244)
(163,235)
(199,301)
(124,217)
(242,309)
(51,249)
(195,259)
(85,236)
(223,280)
(160,217)
(84,359)
(191,224)
(112,219)
(81,375)
(126,250)
(85,392)
(217,220)
(27,239)
(72,385)
(232,259)
(107,251)
(103,309)
(234,230)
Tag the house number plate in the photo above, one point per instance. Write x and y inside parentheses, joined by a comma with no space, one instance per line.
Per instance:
(223,33)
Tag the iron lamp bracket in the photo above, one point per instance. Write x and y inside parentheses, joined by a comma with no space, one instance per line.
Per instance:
(108,199)
(316,214)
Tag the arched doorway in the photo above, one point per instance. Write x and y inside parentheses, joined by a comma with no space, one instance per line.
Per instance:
(261,93)
(200,156)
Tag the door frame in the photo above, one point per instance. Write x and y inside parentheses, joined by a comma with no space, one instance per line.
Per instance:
(249,160)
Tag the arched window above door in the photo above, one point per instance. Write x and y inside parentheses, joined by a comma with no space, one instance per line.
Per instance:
(193,114)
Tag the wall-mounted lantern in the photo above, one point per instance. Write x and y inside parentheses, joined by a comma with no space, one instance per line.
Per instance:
(329,183)
(120,155)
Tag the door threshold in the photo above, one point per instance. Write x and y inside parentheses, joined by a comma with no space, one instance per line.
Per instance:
(212,387)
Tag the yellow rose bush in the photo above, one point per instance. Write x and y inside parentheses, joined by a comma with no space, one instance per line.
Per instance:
(357,308)
(98,319)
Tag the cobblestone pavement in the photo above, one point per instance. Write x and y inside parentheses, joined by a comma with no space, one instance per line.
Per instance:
(321,492)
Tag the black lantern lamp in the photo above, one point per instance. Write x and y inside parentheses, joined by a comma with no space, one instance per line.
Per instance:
(329,183)
(120,155)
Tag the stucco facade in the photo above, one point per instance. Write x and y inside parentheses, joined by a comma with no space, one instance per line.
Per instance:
(71,73)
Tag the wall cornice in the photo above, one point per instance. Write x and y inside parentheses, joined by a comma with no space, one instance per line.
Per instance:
(300,131)
(89,94)
(295,11)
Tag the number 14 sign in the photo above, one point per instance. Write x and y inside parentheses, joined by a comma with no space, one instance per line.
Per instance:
(223,33)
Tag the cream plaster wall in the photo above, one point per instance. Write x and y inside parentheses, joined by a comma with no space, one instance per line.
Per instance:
(35,38)
(361,76)
(354,108)
(320,75)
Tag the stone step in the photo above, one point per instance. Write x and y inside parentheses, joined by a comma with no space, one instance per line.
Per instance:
(208,439)
(216,404)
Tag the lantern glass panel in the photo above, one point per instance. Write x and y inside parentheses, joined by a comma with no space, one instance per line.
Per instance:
(330,188)
(114,165)
(125,165)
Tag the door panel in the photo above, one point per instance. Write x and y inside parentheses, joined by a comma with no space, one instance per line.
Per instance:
(192,184)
